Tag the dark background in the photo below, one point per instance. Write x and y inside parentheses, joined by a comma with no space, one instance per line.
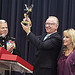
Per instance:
(13,12)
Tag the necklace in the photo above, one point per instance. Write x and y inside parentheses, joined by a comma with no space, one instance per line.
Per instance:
(67,52)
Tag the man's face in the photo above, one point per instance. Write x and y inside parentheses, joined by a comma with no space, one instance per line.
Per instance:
(3,29)
(51,25)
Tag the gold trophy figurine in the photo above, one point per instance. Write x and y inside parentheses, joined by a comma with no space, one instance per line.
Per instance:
(28,9)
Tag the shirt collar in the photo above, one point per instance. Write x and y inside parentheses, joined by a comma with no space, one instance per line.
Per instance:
(52,33)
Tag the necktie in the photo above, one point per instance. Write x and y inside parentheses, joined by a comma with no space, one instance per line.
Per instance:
(46,36)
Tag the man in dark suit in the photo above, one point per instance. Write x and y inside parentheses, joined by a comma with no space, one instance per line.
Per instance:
(9,43)
(48,46)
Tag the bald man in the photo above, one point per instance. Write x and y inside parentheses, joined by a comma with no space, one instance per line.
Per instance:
(48,46)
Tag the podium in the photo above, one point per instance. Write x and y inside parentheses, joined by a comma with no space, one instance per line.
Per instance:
(12,62)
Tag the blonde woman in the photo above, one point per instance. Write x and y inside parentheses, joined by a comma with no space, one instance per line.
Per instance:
(66,62)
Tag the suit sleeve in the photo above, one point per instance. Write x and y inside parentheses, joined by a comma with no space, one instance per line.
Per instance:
(51,43)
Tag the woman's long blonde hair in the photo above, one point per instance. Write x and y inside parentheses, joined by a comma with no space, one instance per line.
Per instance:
(71,33)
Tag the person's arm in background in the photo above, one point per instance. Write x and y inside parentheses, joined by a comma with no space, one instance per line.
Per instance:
(12,46)
(16,51)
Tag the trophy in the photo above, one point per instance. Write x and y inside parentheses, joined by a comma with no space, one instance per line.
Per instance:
(28,9)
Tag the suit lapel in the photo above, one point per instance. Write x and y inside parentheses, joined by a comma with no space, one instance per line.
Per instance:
(50,36)
(42,39)
(47,38)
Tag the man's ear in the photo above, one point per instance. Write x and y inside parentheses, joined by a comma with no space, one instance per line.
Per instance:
(57,26)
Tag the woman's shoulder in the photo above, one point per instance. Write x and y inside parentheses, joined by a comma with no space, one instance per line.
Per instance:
(73,52)
(71,56)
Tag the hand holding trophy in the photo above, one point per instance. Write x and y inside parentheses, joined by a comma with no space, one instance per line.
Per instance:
(25,20)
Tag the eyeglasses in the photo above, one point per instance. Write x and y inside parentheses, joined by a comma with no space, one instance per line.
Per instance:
(50,24)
